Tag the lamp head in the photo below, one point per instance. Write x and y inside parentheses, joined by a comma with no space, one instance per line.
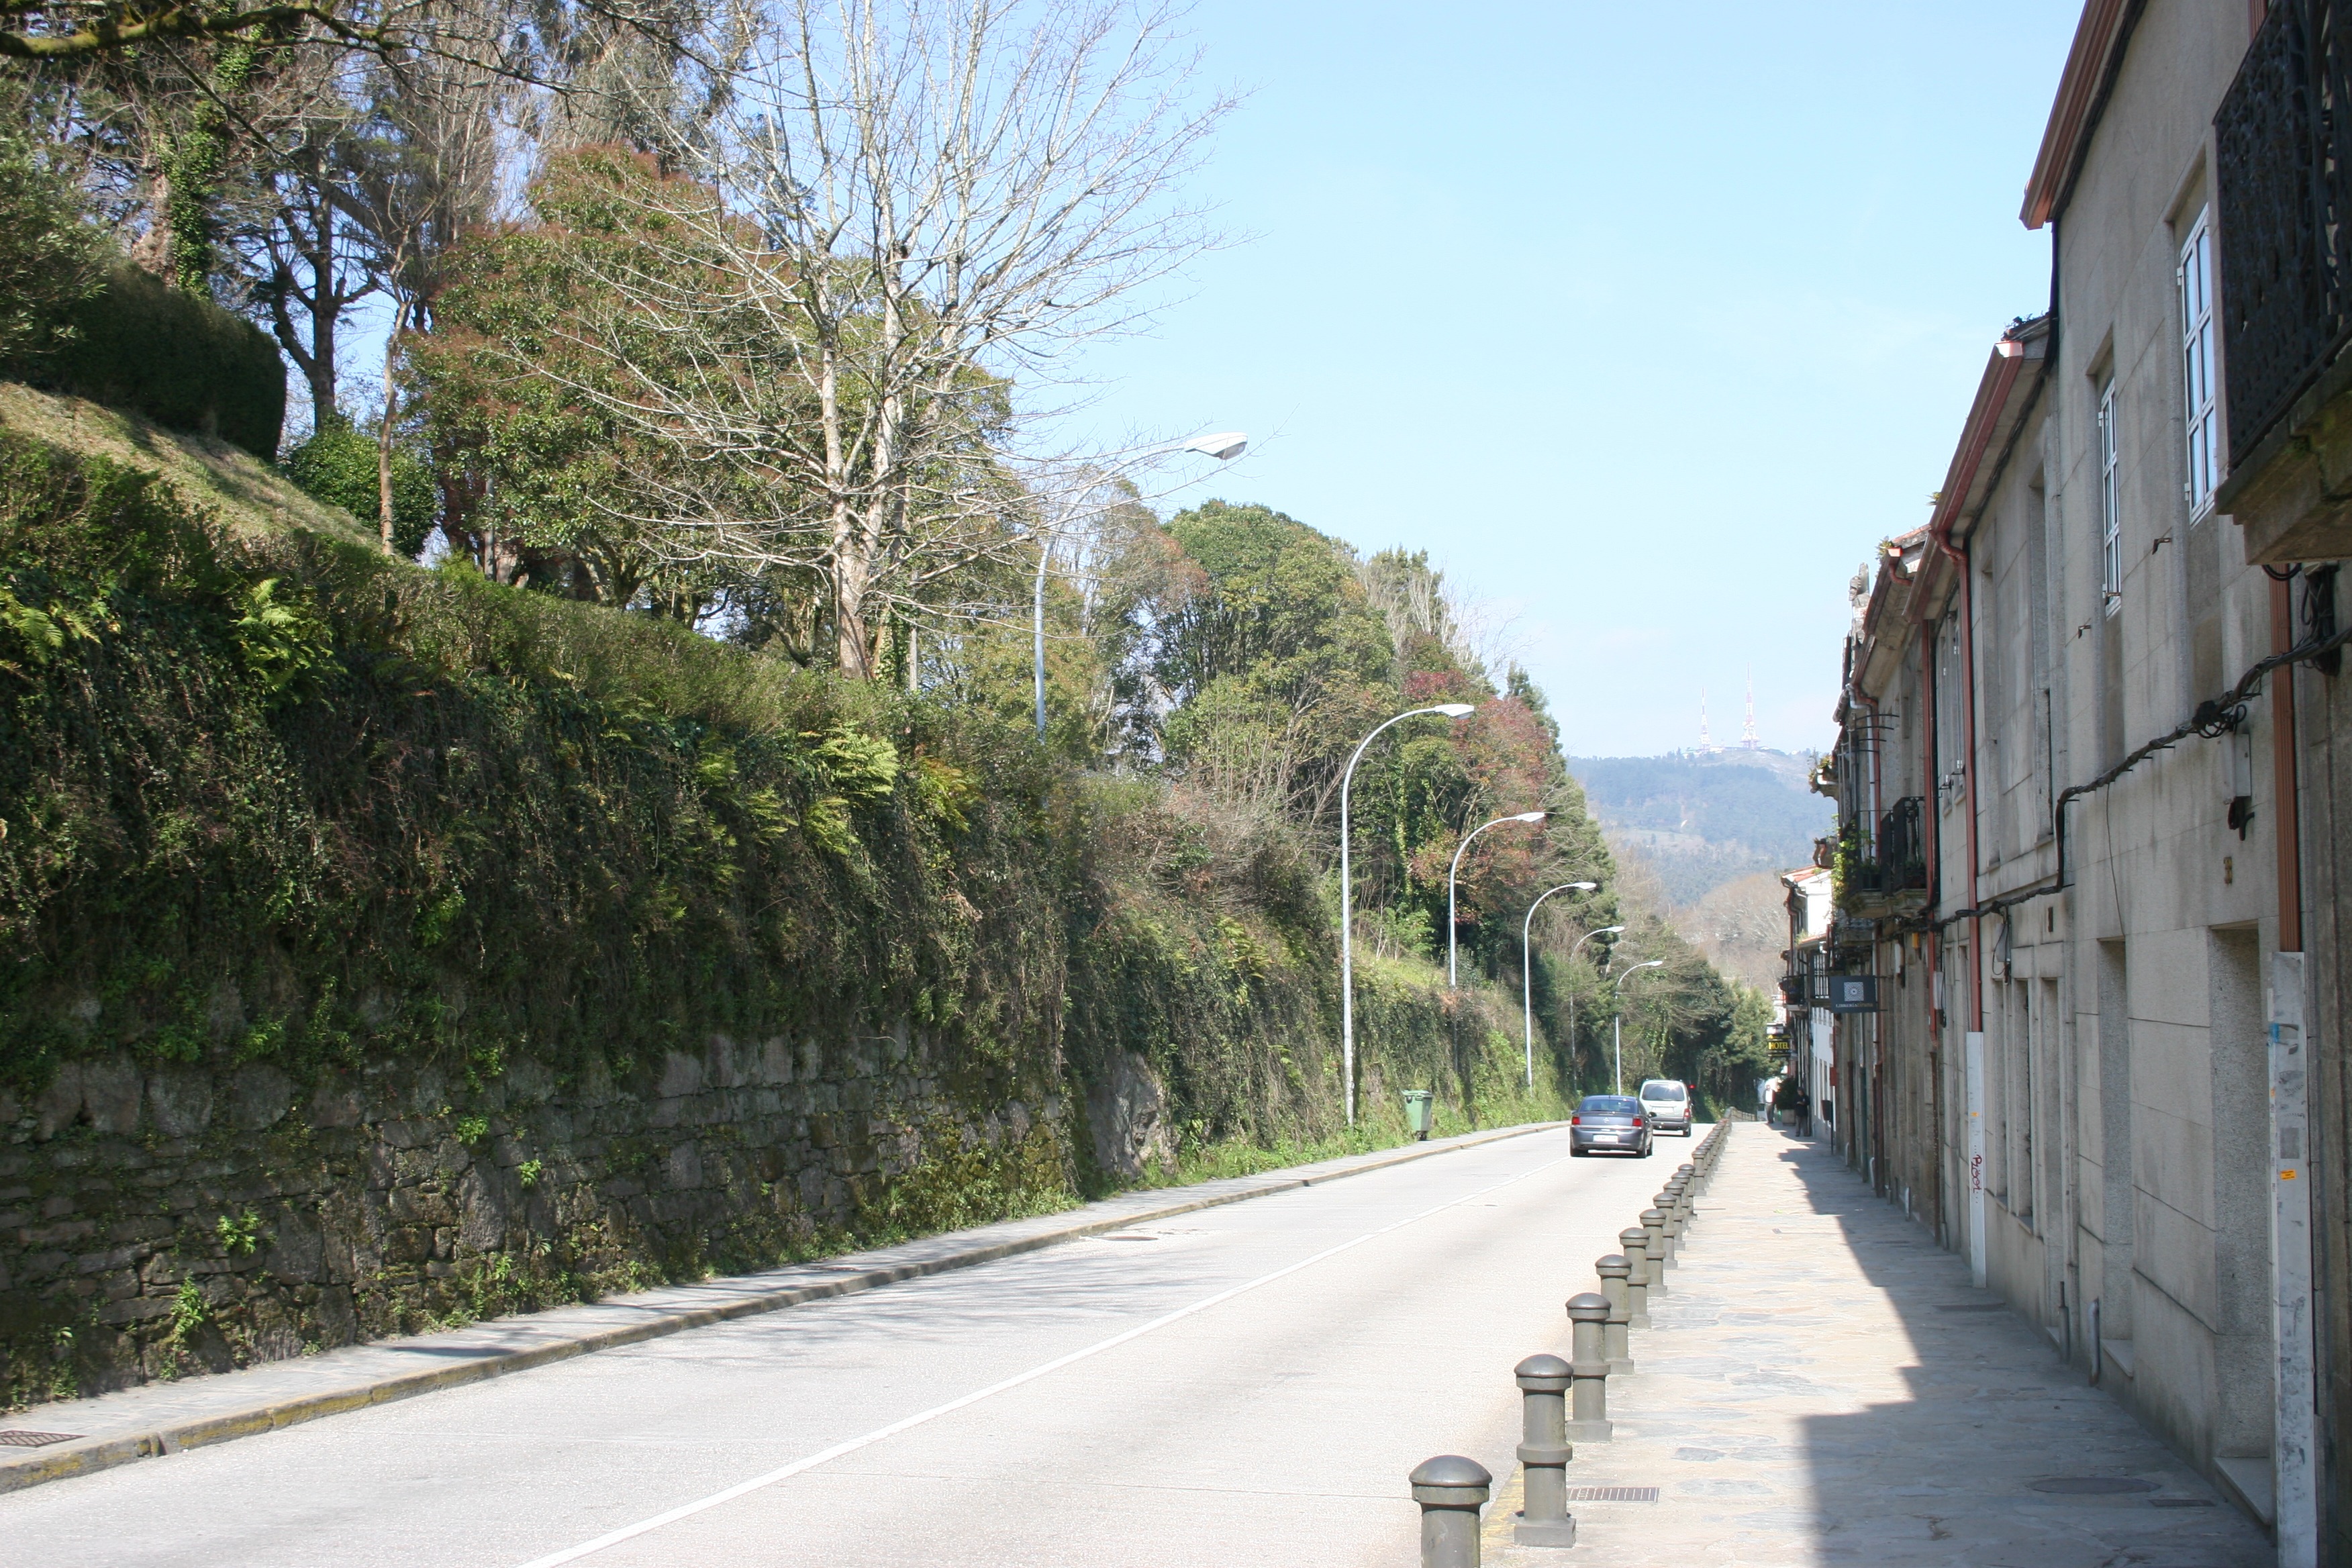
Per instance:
(1605,930)
(1224,445)
(1584,887)
(1530,816)
(1455,709)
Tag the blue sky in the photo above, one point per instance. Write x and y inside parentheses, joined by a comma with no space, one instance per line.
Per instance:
(1647,322)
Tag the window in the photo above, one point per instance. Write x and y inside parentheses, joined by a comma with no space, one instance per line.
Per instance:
(2111,511)
(2197,363)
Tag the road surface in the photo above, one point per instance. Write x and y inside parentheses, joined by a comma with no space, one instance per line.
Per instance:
(1247,1385)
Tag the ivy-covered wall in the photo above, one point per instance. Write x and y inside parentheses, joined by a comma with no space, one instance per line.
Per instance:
(389,948)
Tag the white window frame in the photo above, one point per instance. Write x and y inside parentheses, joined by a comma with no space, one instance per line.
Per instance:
(2200,406)
(2111,511)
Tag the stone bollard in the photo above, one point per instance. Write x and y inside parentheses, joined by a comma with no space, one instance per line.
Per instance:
(1670,1204)
(1636,1242)
(1544,1450)
(1688,1177)
(1588,1420)
(1616,1344)
(1654,1222)
(1451,1490)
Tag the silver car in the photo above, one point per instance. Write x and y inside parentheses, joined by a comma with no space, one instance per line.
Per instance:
(1669,1105)
(1611,1123)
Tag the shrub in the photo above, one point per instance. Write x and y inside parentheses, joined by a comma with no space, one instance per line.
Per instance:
(338,464)
(184,362)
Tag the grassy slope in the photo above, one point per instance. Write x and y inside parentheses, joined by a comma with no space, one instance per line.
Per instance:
(252,498)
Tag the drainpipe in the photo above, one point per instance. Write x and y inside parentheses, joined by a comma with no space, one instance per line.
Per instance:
(1873,1071)
(2012,356)
(2286,818)
(1932,833)
(1942,536)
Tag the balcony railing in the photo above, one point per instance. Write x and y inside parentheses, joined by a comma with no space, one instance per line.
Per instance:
(2283,178)
(1892,860)
(1902,846)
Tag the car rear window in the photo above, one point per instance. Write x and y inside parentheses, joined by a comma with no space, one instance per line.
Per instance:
(1624,1104)
(1663,1091)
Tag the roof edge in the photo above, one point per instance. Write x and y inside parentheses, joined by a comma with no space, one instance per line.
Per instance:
(2074,113)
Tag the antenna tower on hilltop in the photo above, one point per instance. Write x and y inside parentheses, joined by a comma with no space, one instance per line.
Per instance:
(1748,740)
(1706,743)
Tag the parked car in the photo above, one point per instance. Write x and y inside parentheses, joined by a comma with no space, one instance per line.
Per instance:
(1669,1105)
(1614,1123)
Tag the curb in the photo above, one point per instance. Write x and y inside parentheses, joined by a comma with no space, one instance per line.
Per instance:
(86,1455)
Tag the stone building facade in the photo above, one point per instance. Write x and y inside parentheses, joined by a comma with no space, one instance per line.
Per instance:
(2087,852)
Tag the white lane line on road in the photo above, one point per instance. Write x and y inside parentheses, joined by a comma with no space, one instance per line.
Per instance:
(800,1467)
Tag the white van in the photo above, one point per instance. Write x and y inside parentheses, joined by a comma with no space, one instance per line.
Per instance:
(1669,1105)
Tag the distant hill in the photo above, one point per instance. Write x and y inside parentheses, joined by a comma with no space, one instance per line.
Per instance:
(1705,820)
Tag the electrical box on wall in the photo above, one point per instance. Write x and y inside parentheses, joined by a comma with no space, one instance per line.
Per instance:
(2239,743)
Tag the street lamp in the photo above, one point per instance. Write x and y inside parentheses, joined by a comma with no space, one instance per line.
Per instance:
(1587,936)
(1223,447)
(1617,1023)
(1450,870)
(1527,963)
(1347,903)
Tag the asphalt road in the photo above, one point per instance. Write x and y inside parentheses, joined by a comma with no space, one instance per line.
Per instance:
(1247,1385)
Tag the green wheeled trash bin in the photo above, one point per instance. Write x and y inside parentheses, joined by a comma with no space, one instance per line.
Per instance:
(1416,1112)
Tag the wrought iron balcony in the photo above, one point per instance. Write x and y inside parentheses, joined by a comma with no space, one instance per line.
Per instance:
(1902,846)
(1882,865)
(2284,182)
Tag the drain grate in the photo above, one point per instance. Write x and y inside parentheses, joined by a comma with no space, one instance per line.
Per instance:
(1974,1307)
(2092,1486)
(35,1439)
(1612,1494)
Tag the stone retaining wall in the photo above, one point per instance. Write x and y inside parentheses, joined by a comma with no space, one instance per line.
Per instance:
(162,1220)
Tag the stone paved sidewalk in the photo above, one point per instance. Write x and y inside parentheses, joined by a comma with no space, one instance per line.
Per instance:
(1824,1386)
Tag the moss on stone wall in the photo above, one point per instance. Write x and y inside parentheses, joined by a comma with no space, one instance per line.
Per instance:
(394,948)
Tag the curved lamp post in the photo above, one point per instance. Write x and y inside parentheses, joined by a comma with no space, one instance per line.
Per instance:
(1450,870)
(1617,1023)
(1223,447)
(1347,903)
(1527,965)
(1587,936)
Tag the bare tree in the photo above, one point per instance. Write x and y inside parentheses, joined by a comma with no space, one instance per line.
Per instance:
(298,235)
(905,207)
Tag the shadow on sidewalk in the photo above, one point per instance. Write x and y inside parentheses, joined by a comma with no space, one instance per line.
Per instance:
(1974,1443)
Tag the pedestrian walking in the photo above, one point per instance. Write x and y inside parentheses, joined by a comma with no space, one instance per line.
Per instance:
(1764,1090)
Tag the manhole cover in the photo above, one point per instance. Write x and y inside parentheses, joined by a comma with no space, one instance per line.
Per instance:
(2092,1486)
(1612,1494)
(35,1439)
